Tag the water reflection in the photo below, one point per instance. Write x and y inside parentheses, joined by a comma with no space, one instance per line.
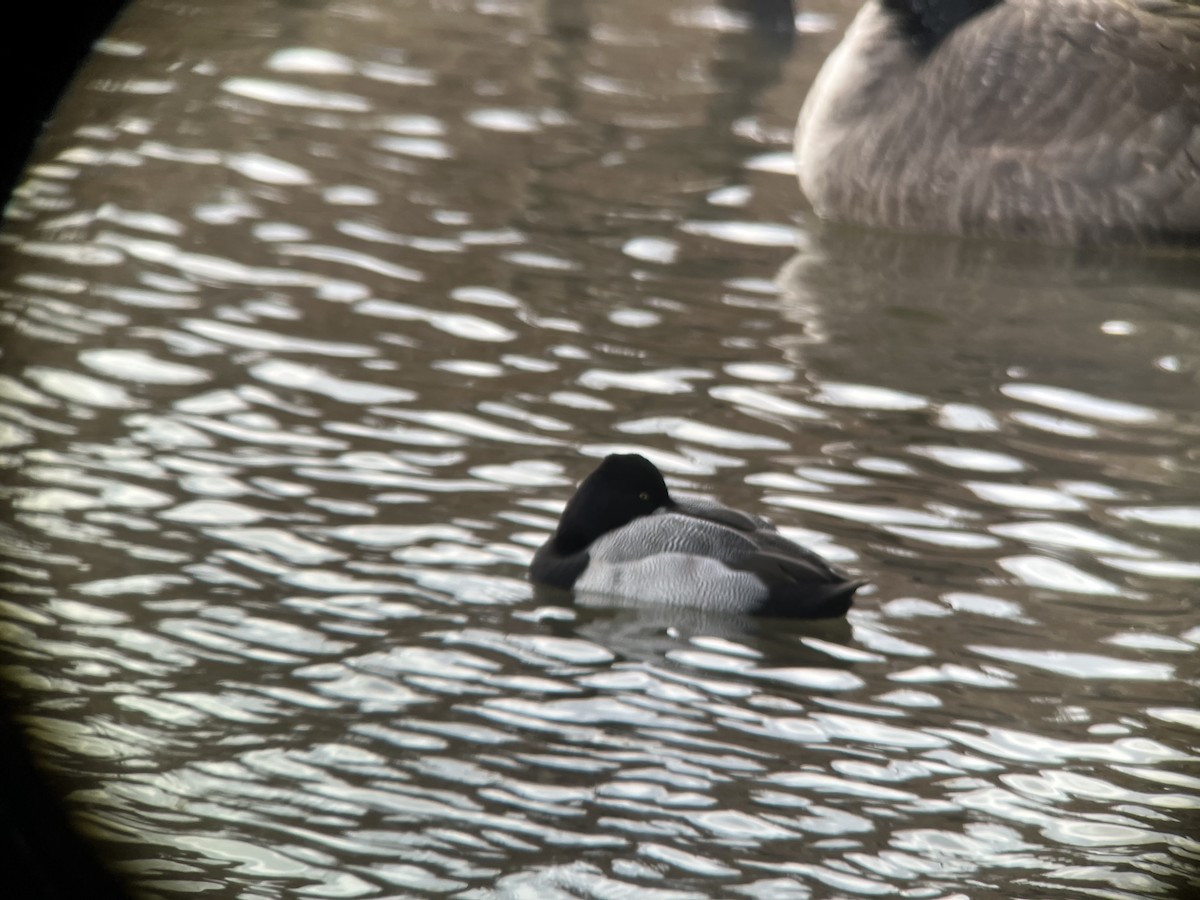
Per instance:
(315,319)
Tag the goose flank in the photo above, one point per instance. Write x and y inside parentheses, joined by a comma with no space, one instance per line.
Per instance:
(1062,121)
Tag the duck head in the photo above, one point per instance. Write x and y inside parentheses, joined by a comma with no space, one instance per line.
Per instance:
(624,487)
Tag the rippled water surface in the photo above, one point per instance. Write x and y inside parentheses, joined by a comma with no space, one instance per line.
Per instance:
(315,313)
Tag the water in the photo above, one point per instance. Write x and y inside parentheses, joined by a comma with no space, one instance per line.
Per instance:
(316,312)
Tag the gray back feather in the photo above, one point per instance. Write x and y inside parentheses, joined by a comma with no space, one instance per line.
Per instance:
(668,532)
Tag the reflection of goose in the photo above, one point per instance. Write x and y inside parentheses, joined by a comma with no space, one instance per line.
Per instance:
(1073,121)
(623,535)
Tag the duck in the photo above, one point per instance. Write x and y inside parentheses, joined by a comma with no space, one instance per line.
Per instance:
(1073,122)
(622,535)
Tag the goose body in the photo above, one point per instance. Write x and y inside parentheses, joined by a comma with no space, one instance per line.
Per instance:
(623,535)
(1067,121)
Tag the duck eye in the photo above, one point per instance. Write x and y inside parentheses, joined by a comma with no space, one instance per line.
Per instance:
(644,495)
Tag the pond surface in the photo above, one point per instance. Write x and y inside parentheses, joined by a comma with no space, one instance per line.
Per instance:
(316,312)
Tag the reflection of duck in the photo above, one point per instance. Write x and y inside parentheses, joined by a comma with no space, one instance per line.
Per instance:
(653,634)
(623,535)
(1073,121)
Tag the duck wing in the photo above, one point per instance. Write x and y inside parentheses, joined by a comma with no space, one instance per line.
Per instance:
(799,586)
(765,536)
(712,511)
(671,532)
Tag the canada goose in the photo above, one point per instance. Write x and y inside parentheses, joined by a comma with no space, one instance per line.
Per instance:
(1069,121)
(623,535)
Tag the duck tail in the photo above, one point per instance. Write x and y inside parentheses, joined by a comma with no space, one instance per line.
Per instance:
(832,602)
(927,22)
(811,600)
